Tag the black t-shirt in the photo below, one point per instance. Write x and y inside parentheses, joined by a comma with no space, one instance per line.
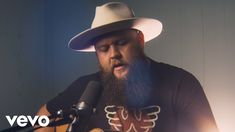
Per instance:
(178,104)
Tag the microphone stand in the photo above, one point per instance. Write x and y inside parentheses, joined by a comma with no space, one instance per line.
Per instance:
(70,126)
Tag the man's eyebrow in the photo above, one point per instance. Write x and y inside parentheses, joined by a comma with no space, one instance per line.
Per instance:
(101,45)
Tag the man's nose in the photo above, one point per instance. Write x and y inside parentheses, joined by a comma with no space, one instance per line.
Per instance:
(114,52)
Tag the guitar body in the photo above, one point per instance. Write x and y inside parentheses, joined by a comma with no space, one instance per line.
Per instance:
(62,128)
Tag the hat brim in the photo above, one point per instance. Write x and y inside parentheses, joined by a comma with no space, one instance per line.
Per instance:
(151,28)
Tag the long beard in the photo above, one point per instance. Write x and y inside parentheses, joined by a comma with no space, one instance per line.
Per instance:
(132,92)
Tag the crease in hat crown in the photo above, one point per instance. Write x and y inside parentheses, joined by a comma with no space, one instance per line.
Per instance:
(114,16)
(114,11)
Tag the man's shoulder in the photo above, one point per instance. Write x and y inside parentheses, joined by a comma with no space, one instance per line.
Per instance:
(161,66)
(169,70)
(88,77)
(91,76)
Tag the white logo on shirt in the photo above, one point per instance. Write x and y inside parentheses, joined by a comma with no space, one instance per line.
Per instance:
(140,120)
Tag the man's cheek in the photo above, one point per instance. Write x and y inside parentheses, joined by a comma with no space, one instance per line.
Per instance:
(107,69)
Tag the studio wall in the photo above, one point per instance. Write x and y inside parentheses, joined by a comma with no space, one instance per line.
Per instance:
(36,63)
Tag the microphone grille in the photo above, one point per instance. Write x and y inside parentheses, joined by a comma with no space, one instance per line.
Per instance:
(91,93)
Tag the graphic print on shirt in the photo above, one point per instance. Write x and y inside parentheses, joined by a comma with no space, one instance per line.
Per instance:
(142,120)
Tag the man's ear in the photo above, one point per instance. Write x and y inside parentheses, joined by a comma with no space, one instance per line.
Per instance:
(140,38)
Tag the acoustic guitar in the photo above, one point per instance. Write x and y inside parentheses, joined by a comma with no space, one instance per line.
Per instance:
(63,128)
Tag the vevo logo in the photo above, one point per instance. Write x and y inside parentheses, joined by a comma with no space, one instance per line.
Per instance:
(24,120)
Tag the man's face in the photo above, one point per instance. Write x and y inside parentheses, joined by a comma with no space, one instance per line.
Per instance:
(118,50)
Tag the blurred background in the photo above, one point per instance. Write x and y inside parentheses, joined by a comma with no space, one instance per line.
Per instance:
(36,63)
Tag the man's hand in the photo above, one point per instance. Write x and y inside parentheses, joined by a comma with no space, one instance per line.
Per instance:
(43,111)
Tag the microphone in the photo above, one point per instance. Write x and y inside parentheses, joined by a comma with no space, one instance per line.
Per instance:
(86,104)
(89,98)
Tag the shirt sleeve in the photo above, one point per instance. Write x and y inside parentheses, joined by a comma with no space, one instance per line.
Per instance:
(193,110)
(66,98)
(70,96)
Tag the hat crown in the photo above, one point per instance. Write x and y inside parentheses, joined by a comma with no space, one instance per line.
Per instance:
(111,17)
(114,11)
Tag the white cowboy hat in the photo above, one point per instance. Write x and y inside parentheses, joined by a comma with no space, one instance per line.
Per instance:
(114,16)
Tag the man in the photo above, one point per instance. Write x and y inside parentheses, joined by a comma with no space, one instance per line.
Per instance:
(139,94)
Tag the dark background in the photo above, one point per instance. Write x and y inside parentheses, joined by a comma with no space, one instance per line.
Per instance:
(36,63)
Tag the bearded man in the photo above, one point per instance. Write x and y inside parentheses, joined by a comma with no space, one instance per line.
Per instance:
(139,94)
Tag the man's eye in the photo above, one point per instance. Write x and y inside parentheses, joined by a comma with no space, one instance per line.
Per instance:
(122,41)
(103,48)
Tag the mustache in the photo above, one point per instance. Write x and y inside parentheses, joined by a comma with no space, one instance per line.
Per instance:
(116,63)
